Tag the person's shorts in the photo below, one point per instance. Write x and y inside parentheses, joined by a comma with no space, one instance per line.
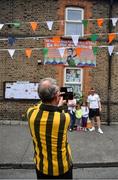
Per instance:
(94,112)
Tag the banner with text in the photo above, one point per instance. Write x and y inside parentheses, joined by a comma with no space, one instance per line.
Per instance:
(67,54)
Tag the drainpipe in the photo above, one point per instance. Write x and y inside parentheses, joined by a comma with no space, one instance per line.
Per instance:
(109,67)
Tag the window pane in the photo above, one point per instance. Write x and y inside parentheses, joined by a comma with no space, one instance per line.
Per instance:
(73,75)
(73,29)
(76,88)
(74,14)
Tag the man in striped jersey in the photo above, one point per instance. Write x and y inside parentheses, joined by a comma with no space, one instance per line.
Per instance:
(48,126)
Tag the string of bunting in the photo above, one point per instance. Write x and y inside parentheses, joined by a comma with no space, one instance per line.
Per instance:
(93,37)
(28,51)
(34,24)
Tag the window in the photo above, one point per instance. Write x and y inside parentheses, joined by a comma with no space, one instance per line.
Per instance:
(73,21)
(73,78)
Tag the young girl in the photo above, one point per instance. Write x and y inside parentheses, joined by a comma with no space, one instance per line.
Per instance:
(78,114)
(85,114)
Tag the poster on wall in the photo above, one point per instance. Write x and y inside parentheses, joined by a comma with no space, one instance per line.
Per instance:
(21,90)
(67,54)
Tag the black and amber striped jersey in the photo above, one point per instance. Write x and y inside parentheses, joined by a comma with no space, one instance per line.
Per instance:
(48,127)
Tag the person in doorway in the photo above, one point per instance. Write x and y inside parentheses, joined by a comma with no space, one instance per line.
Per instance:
(48,125)
(94,105)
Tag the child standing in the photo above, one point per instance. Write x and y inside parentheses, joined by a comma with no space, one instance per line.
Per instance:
(78,114)
(85,114)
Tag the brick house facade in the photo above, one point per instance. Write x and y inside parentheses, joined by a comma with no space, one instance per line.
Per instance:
(24,69)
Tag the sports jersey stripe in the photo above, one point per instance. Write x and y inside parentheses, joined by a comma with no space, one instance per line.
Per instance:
(48,141)
(43,124)
(31,124)
(59,144)
(55,129)
(36,129)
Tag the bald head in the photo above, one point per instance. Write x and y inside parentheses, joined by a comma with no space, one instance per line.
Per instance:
(47,89)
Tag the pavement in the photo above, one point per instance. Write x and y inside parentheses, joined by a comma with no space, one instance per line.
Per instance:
(89,149)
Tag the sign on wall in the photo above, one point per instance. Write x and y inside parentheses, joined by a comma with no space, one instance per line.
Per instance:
(67,54)
(21,90)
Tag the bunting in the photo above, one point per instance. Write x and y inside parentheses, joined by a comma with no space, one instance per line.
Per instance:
(75,39)
(11,52)
(78,51)
(56,40)
(33,25)
(11,40)
(49,24)
(110,50)
(16,24)
(114,21)
(100,22)
(45,51)
(111,37)
(94,37)
(61,51)
(1,26)
(85,22)
(95,50)
(28,52)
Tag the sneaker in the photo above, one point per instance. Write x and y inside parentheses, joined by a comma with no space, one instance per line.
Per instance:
(92,129)
(100,131)
(70,130)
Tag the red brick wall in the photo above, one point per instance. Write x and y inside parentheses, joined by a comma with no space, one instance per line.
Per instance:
(22,68)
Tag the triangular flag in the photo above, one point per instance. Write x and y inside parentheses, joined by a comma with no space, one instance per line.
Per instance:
(75,39)
(110,49)
(45,51)
(111,37)
(11,40)
(33,25)
(11,52)
(16,24)
(49,24)
(56,40)
(114,21)
(94,37)
(95,50)
(61,51)
(1,26)
(78,51)
(100,22)
(85,22)
(28,52)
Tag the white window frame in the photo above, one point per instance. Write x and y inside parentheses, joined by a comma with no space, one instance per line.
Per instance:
(74,83)
(73,21)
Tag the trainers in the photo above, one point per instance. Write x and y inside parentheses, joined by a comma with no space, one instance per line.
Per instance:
(70,130)
(92,129)
(100,131)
